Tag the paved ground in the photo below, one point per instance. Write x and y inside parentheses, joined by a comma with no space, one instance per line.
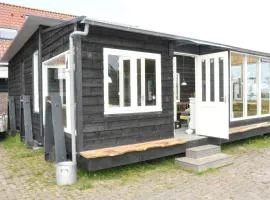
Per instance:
(247,178)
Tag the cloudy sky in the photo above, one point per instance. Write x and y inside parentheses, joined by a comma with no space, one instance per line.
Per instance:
(242,23)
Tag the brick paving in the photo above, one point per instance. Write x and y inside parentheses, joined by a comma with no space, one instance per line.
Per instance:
(248,178)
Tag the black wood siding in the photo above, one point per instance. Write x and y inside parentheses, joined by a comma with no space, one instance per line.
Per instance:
(187,72)
(20,81)
(112,130)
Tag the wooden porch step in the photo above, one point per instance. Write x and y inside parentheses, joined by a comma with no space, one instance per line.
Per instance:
(123,149)
(249,127)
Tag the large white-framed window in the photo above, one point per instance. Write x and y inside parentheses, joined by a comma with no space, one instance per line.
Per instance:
(250,86)
(35,82)
(56,80)
(132,81)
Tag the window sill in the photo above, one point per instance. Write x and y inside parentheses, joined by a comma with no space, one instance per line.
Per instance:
(116,111)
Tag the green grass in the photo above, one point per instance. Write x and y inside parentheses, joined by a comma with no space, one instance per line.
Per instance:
(44,172)
(125,174)
(210,170)
(243,146)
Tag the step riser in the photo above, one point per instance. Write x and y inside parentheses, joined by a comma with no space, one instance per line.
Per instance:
(196,154)
(206,166)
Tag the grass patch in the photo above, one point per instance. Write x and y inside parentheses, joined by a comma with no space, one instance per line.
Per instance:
(31,163)
(243,146)
(210,170)
(125,174)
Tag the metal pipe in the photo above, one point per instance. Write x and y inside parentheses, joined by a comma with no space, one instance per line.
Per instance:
(72,99)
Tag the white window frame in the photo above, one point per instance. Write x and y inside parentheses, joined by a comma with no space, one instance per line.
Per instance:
(69,104)
(133,56)
(258,83)
(35,82)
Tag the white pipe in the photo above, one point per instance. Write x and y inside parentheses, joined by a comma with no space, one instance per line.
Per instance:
(72,99)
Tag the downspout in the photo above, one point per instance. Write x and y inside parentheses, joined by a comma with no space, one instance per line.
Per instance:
(72,71)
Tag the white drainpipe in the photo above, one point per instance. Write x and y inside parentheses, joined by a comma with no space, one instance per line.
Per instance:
(72,70)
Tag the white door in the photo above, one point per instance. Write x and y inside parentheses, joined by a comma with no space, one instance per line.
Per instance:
(212,106)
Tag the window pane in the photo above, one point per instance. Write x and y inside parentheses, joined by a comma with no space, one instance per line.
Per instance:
(221,80)
(113,62)
(203,81)
(177,87)
(150,82)
(212,80)
(252,85)
(237,61)
(126,77)
(8,34)
(139,79)
(265,87)
(35,82)
(57,85)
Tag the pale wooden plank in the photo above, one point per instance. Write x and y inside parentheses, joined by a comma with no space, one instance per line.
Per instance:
(119,150)
(241,129)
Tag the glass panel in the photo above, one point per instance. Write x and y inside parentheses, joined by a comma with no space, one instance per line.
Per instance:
(252,85)
(150,82)
(57,85)
(113,80)
(221,80)
(7,34)
(126,77)
(203,81)
(177,87)
(139,78)
(265,87)
(237,63)
(212,80)
(35,82)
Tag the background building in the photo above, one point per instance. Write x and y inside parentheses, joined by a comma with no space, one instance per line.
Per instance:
(12,18)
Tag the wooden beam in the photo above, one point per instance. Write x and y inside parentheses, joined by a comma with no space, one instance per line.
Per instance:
(119,150)
(241,129)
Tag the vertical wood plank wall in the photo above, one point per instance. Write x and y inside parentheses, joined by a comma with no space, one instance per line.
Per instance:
(111,130)
(24,57)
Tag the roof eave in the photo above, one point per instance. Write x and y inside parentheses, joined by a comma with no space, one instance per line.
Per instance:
(31,24)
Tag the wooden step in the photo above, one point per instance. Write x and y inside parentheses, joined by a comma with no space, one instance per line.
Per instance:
(202,164)
(202,151)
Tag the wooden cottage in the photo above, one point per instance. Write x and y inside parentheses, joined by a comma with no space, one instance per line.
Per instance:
(131,95)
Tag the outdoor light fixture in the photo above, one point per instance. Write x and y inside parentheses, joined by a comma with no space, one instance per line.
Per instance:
(184,83)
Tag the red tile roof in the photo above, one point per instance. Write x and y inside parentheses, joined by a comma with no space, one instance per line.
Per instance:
(13,16)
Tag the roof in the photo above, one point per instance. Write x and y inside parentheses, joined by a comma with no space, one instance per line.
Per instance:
(13,16)
(170,36)
(30,26)
(32,23)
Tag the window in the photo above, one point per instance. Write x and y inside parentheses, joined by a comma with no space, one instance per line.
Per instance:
(35,82)
(252,85)
(237,63)
(265,86)
(203,81)
(212,79)
(56,80)
(221,79)
(132,81)
(7,34)
(177,87)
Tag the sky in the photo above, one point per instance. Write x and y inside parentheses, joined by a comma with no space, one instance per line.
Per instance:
(240,23)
